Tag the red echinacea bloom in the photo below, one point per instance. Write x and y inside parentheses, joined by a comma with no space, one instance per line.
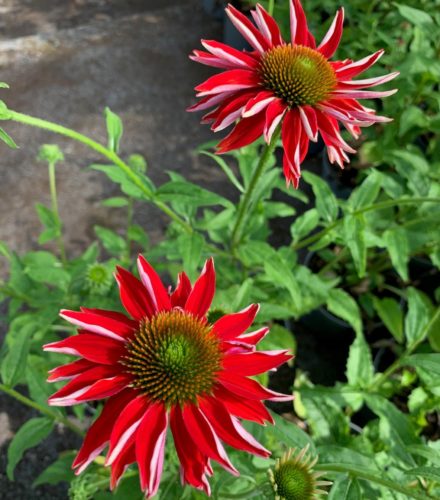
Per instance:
(292,83)
(164,365)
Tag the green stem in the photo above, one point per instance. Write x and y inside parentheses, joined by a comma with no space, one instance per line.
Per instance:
(245,204)
(378,206)
(107,153)
(54,198)
(270,7)
(354,471)
(45,411)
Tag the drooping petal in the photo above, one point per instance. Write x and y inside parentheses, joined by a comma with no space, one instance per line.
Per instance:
(101,325)
(299,30)
(99,433)
(194,464)
(181,293)
(92,347)
(248,388)
(295,142)
(200,298)
(333,36)
(228,81)
(248,409)
(126,424)
(119,466)
(246,131)
(229,429)
(258,103)
(354,68)
(247,29)
(133,295)
(70,370)
(209,101)
(150,447)
(254,363)
(232,325)
(329,130)
(309,122)
(155,288)
(205,437)
(274,114)
(230,110)
(232,56)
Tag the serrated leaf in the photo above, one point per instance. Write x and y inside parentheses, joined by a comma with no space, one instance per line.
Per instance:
(304,224)
(114,129)
(44,267)
(325,200)
(417,318)
(360,369)
(429,362)
(341,304)
(367,192)
(391,314)
(28,436)
(397,245)
(255,253)
(354,232)
(7,139)
(431,473)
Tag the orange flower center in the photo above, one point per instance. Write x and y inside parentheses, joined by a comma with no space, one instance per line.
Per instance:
(174,357)
(299,75)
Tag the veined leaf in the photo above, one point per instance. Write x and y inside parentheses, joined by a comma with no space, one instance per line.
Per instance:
(114,129)
(417,318)
(325,200)
(354,232)
(360,370)
(341,304)
(390,312)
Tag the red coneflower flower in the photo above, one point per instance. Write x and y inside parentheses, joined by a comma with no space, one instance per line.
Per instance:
(164,366)
(293,83)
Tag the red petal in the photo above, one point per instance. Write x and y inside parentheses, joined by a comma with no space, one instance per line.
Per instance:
(181,293)
(248,409)
(205,437)
(230,55)
(267,26)
(231,326)
(253,338)
(194,465)
(248,388)
(117,316)
(126,424)
(230,110)
(200,298)
(152,282)
(99,433)
(291,136)
(127,457)
(227,81)
(333,36)
(133,295)
(69,370)
(299,30)
(253,363)
(229,429)
(246,131)
(150,447)
(274,114)
(90,346)
(309,122)
(354,68)
(247,29)
(101,325)
(258,103)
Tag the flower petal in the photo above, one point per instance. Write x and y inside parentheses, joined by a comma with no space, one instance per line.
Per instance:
(232,56)
(99,433)
(248,409)
(231,326)
(155,288)
(246,131)
(127,457)
(181,293)
(274,114)
(228,81)
(200,298)
(309,122)
(253,363)
(299,30)
(267,26)
(92,347)
(247,29)
(150,447)
(205,437)
(366,82)
(229,429)
(70,370)
(209,102)
(133,295)
(353,68)
(117,316)
(230,110)
(258,103)
(361,94)
(333,36)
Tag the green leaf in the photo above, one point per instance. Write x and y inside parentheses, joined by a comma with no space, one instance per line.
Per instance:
(412,116)
(190,194)
(254,253)
(325,200)
(341,304)
(431,473)
(415,16)
(44,267)
(4,250)
(429,362)
(190,248)
(226,169)
(137,234)
(417,318)
(7,139)
(4,85)
(117,201)
(345,488)
(360,370)
(36,378)
(289,434)
(114,129)
(397,245)
(425,451)
(128,184)
(112,242)
(367,192)
(278,271)
(354,232)
(46,216)
(14,363)
(28,436)
(304,224)
(391,314)
(58,471)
